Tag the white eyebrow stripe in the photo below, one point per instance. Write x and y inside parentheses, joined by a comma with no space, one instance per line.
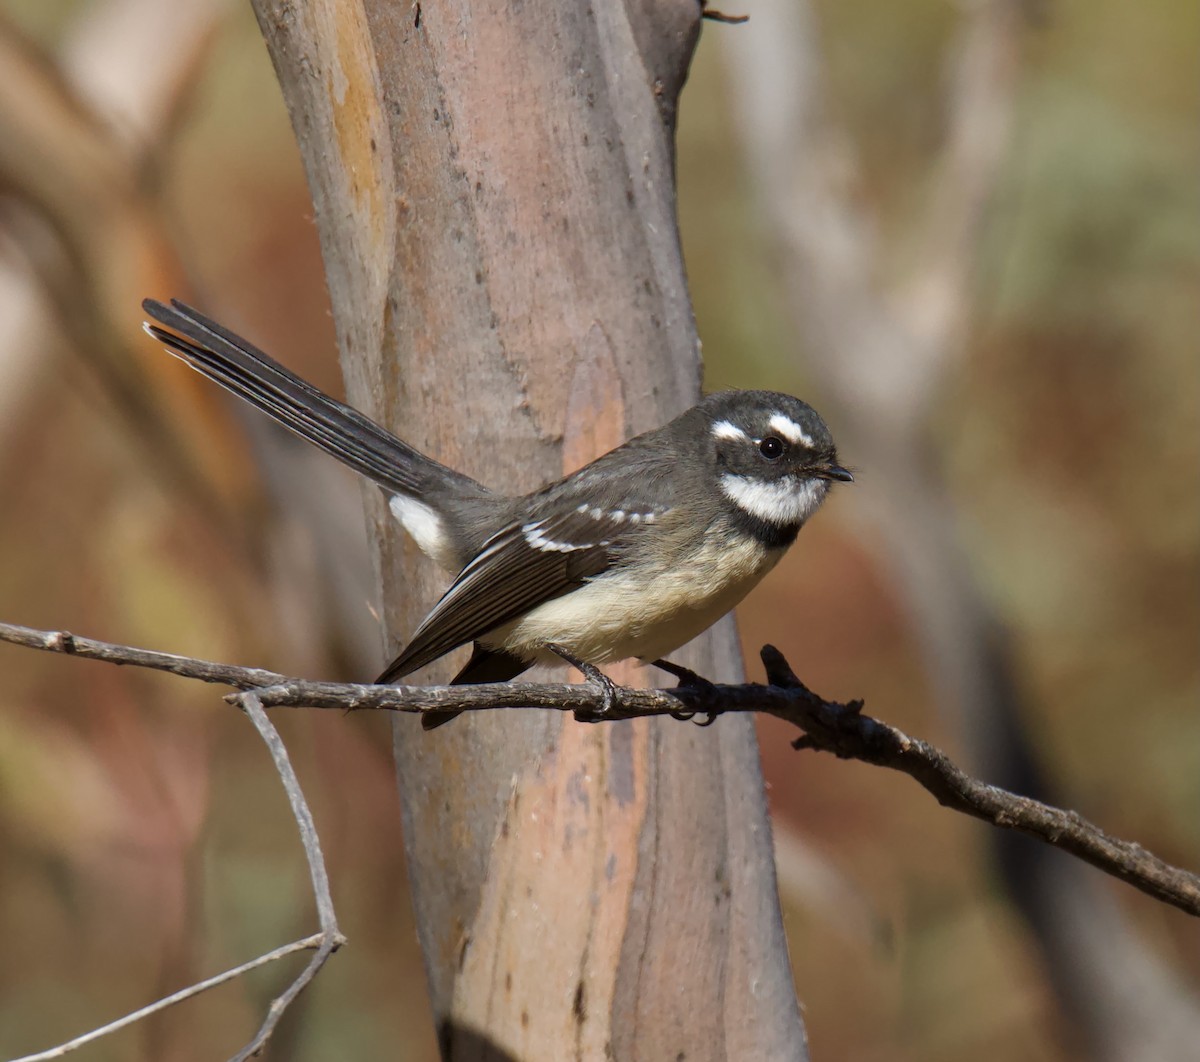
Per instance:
(790,430)
(724,429)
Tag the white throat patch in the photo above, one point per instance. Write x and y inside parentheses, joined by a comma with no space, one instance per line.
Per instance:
(780,504)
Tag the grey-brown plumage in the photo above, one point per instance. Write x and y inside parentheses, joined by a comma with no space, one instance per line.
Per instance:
(632,555)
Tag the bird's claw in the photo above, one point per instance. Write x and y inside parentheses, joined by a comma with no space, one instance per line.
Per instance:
(608,688)
(688,679)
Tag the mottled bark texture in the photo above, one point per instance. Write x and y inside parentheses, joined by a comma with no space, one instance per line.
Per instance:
(495,199)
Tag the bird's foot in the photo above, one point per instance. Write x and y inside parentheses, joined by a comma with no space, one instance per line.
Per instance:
(688,679)
(608,688)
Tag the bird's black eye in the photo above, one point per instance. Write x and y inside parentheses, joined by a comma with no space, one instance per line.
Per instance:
(771,448)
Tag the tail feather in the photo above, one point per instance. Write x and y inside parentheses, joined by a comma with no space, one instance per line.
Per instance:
(355,440)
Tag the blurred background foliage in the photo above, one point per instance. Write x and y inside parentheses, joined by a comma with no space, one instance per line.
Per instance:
(144,840)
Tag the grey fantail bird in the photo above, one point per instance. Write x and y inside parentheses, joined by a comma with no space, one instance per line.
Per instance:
(631,556)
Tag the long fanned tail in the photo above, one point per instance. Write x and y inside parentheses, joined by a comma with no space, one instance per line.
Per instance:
(355,440)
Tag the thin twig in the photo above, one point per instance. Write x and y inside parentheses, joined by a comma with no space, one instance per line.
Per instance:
(719,16)
(308,943)
(243,678)
(331,937)
(828,726)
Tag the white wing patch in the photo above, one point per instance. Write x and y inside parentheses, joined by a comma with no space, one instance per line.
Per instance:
(780,504)
(537,540)
(619,516)
(425,526)
(790,430)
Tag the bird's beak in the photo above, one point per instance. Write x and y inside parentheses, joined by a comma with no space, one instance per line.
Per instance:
(842,475)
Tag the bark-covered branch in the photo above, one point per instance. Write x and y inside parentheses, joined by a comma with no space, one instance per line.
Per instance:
(493,187)
(828,726)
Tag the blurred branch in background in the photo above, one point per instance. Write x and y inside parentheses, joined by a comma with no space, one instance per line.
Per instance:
(79,241)
(84,236)
(73,185)
(882,350)
(89,123)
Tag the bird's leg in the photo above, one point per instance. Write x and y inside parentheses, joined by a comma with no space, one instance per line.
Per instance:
(686,676)
(688,679)
(608,688)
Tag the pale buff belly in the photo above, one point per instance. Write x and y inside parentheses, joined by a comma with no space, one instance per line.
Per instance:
(639,614)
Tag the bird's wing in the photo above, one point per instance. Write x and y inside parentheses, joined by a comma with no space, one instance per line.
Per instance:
(522,566)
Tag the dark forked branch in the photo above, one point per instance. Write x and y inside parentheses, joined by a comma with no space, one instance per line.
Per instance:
(827,726)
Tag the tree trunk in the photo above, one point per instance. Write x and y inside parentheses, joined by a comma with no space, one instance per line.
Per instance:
(495,199)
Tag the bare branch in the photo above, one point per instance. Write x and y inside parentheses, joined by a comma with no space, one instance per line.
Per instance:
(843,730)
(828,726)
(328,940)
(934,301)
(242,678)
(719,16)
(315,941)
(331,937)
